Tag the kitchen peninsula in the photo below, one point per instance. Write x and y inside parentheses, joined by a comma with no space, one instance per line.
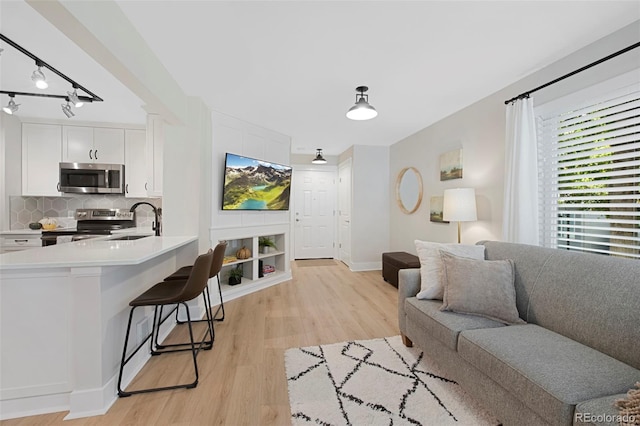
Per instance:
(63,315)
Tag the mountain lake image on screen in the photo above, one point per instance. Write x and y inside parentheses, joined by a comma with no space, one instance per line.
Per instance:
(251,184)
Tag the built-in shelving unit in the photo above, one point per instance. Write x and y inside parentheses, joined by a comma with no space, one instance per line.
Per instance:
(252,277)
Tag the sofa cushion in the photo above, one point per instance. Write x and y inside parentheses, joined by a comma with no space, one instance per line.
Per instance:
(590,298)
(598,412)
(480,287)
(431,274)
(444,326)
(548,372)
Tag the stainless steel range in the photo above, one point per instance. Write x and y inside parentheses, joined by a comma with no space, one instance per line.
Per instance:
(92,223)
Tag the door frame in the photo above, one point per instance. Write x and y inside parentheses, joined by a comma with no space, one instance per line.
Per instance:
(346,163)
(292,206)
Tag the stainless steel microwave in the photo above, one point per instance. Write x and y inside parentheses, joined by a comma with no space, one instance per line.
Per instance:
(92,178)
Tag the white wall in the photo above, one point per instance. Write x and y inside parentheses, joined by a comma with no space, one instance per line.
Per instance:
(186,171)
(479,130)
(369,205)
(233,135)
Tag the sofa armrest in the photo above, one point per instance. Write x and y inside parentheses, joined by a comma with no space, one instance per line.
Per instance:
(408,286)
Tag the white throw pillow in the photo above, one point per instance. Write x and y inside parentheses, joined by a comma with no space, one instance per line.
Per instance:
(431,267)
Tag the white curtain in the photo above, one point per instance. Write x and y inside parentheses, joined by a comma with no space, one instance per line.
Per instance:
(520,214)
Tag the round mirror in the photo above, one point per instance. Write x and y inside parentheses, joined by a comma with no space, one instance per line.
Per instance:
(409,189)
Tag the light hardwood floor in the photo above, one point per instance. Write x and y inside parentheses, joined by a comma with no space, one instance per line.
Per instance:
(242,379)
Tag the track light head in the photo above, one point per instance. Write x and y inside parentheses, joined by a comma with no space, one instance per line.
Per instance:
(66,108)
(11,106)
(73,97)
(39,78)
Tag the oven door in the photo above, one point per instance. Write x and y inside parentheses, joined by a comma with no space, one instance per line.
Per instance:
(92,178)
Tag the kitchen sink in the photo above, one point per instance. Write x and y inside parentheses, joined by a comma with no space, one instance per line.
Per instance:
(129,237)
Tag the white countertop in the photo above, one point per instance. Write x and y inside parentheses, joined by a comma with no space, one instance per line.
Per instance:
(101,251)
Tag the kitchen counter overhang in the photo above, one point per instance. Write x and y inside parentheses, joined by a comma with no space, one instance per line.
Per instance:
(63,315)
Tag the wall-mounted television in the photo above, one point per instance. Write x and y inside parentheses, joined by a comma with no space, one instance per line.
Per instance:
(251,184)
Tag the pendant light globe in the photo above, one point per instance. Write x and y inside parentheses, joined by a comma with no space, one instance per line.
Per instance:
(362,110)
(319,159)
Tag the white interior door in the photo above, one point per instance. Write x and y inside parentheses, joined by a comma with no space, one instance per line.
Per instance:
(344,212)
(314,214)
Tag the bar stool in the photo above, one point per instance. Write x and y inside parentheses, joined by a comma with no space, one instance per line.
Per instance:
(216,266)
(171,293)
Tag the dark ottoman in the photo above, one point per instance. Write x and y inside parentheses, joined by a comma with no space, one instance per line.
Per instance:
(394,261)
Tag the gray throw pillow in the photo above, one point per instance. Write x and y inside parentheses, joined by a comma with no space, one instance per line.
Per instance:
(480,287)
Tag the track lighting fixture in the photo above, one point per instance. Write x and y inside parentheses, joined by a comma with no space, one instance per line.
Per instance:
(66,108)
(73,97)
(362,110)
(39,78)
(319,158)
(11,106)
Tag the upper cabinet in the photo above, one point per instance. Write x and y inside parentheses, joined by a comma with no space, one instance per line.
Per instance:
(155,145)
(92,145)
(41,154)
(135,163)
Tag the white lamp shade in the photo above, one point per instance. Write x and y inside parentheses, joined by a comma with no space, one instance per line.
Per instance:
(459,205)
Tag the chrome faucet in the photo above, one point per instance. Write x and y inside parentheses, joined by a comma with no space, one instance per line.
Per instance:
(156,225)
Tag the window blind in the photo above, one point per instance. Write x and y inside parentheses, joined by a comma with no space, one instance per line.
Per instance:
(589,176)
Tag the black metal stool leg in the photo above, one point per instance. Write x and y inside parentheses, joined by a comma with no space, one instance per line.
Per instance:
(124,354)
(180,347)
(221,307)
(194,353)
(207,305)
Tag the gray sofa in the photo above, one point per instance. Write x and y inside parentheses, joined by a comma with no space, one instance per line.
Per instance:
(578,352)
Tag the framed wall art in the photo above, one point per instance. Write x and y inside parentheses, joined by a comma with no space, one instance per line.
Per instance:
(435,209)
(451,165)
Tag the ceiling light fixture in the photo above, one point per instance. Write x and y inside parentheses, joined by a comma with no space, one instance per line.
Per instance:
(362,110)
(66,108)
(73,97)
(39,78)
(319,158)
(11,106)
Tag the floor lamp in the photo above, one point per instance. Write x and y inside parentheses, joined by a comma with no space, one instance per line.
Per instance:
(459,206)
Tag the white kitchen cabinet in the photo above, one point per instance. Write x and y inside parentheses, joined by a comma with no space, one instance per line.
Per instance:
(92,145)
(41,155)
(155,146)
(135,161)
(15,241)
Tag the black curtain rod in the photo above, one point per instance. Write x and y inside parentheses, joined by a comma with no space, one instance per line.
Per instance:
(41,63)
(586,67)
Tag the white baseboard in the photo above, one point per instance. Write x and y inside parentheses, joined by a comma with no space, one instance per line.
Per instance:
(365,266)
(33,405)
(82,403)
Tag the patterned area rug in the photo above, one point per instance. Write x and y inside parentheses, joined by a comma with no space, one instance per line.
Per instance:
(374,382)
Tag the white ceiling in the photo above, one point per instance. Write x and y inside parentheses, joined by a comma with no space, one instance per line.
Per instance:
(293,66)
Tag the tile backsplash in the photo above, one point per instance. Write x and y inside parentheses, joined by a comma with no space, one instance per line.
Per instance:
(25,210)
